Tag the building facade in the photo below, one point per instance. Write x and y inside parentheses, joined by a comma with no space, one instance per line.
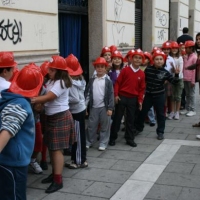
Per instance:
(35,30)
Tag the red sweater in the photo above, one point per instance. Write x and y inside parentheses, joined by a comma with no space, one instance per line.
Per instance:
(130,84)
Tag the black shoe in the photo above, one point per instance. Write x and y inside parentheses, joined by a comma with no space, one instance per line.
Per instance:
(44,165)
(131,143)
(112,143)
(54,187)
(160,136)
(49,179)
(152,124)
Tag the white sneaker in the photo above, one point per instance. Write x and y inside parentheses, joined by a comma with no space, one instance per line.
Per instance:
(176,116)
(184,112)
(171,115)
(191,113)
(35,167)
(102,148)
(198,136)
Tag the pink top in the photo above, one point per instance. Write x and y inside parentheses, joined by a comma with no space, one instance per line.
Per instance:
(189,75)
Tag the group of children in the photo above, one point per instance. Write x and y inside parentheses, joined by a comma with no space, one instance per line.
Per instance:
(133,87)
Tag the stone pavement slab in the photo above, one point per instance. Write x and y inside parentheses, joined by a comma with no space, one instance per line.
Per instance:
(189,194)
(164,192)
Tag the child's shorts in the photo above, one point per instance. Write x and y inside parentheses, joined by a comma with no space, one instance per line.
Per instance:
(177,90)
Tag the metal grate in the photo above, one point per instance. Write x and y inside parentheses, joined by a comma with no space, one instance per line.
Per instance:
(80,3)
(138,28)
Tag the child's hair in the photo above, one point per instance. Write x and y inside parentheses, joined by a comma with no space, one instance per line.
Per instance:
(63,75)
(197,48)
(78,78)
(6,68)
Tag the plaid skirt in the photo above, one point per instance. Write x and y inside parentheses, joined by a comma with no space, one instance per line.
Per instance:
(59,131)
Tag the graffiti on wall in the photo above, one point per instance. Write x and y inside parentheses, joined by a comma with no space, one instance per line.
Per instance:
(161,24)
(7,2)
(11,30)
(117,29)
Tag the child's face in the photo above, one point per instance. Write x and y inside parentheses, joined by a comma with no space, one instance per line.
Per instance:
(117,61)
(166,51)
(100,69)
(174,50)
(188,50)
(137,61)
(7,74)
(146,61)
(158,61)
(198,40)
(107,56)
(52,72)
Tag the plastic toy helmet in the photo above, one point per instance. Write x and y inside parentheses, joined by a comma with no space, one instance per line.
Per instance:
(44,68)
(113,48)
(148,55)
(130,53)
(105,50)
(159,53)
(7,59)
(73,65)
(189,43)
(27,82)
(139,52)
(166,45)
(117,54)
(174,45)
(58,62)
(155,49)
(100,61)
(181,44)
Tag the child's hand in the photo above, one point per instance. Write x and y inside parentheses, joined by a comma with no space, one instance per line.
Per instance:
(38,107)
(109,112)
(140,106)
(177,70)
(117,99)
(86,113)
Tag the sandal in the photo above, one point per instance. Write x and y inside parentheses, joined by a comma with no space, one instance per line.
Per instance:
(84,165)
(196,125)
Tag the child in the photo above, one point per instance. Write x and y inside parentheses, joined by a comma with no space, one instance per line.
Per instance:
(155,77)
(99,93)
(129,90)
(128,57)
(117,64)
(177,88)
(17,134)
(189,79)
(148,62)
(59,128)
(7,65)
(106,53)
(77,108)
(169,65)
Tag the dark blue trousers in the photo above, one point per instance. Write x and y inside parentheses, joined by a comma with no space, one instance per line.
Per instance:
(158,102)
(13,183)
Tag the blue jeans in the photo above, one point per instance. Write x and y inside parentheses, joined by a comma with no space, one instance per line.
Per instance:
(13,182)
(151,116)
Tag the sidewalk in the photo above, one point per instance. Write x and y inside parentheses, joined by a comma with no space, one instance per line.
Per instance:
(154,170)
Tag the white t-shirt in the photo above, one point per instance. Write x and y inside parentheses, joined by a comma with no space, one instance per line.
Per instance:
(169,64)
(179,63)
(99,92)
(4,84)
(61,103)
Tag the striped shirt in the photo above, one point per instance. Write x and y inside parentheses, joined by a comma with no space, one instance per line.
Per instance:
(155,79)
(12,118)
